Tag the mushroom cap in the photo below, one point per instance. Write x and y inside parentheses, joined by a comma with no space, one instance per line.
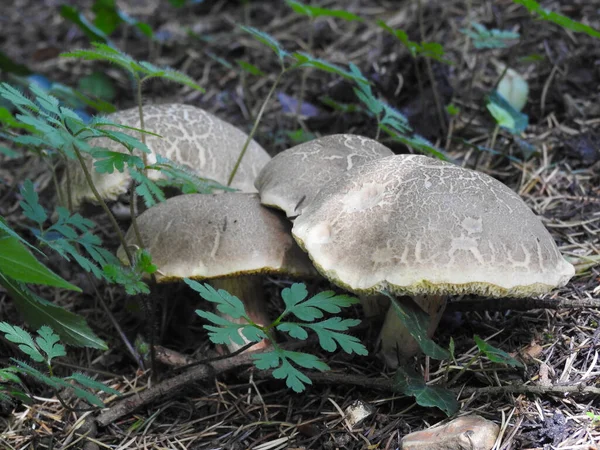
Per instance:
(205,236)
(190,137)
(292,178)
(416,225)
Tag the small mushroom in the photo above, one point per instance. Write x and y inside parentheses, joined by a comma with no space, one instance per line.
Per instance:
(417,226)
(293,177)
(190,137)
(227,239)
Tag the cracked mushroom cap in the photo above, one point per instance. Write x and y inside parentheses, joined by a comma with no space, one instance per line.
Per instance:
(190,137)
(417,225)
(205,236)
(292,178)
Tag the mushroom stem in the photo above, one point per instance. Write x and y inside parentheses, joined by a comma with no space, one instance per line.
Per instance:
(374,305)
(249,289)
(396,341)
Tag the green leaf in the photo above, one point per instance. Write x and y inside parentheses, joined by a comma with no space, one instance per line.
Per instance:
(315,11)
(416,322)
(5,229)
(17,98)
(127,277)
(9,153)
(7,118)
(431,50)
(9,66)
(293,329)
(8,375)
(147,189)
(37,312)
(559,19)
(410,383)
(48,342)
(99,85)
(330,337)
(152,71)
(293,295)
(25,368)
(31,205)
(250,68)
(92,32)
(267,40)
(79,392)
(505,115)
(24,340)
(495,354)
(103,52)
(305,59)
(92,384)
(280,360)
(484,38)
(225,331)
(183,178)
(326,301)
(225,302)
(18,263)
(107,161)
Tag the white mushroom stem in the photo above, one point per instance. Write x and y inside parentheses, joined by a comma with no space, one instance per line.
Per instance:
(396,341)
(374,305)
(249,289)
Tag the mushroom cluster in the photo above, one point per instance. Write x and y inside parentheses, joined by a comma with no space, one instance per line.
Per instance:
(188,136)
(371,222)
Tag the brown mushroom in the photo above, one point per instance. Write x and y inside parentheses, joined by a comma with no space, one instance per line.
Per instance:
(413,225)
(228,239)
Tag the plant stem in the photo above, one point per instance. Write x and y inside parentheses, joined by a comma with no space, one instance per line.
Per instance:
(434,87)
(69,195)
(464,369)
(100,200)
(311,27)
(132,193)
(132,351)
(494,136)
(254,127)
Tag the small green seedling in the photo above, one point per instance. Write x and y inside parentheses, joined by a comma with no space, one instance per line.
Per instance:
(42,350)
(285,364)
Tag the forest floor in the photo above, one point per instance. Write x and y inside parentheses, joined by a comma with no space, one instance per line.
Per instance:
(554,166)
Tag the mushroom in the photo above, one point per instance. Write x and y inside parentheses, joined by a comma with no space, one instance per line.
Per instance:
(226,239)
(292,178)
(190,137)
(413,225)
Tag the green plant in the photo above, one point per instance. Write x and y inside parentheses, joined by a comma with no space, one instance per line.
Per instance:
(108,17)
(565,22)
(390,120)
(51,130)
(284,363)
(288,62)
(410,383)
(18,267)
(595,418)
(313,13)
(42,350)
(484,38)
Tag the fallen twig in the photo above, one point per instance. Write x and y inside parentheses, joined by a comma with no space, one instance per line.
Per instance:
(169,386)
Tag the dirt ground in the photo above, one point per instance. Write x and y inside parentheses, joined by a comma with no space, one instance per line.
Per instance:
(560,181)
